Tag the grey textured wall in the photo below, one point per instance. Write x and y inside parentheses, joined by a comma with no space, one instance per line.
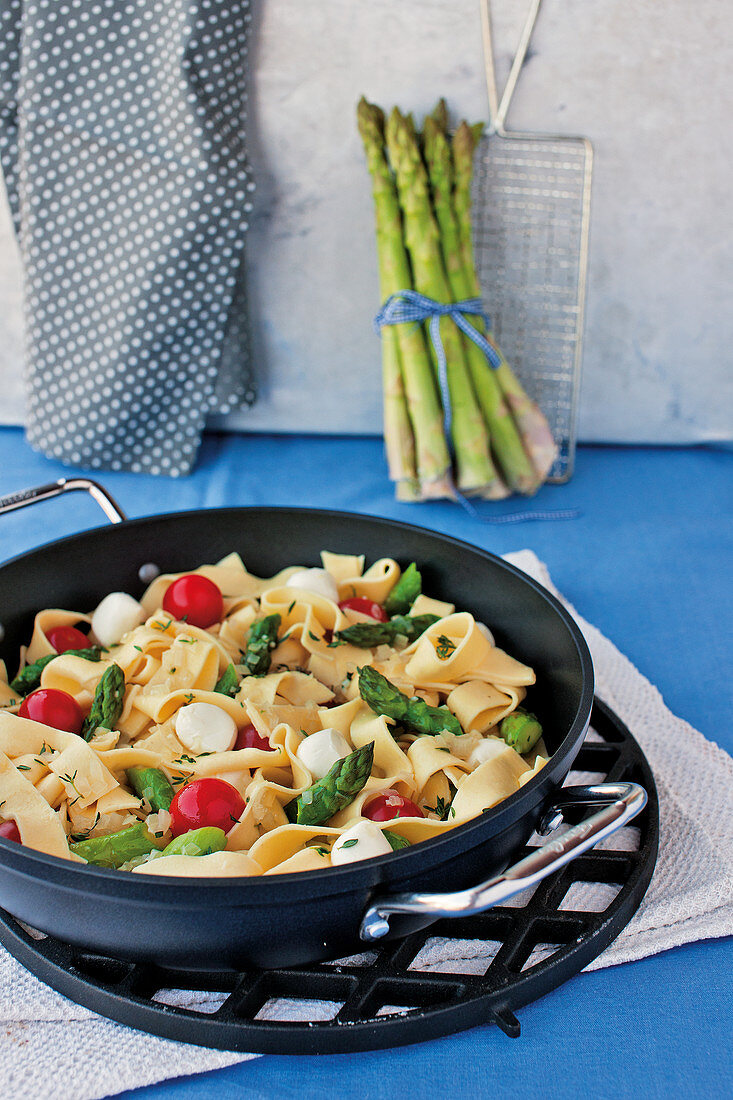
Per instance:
(648,82)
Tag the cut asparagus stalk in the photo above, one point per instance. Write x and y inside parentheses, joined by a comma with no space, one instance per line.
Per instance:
(152,785)
(520,730)
(530,421)
(228,682)
(475,468)
(29,678)
(197,842)
(338,789)
(114,849)
(384,698)
(366,635)
(108,702)
(260,643)
(405,592)
(423,404)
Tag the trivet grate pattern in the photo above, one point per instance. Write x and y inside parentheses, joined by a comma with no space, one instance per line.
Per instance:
(531,202)
(454,975)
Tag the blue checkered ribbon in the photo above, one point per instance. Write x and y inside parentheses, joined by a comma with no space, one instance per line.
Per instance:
(408,306)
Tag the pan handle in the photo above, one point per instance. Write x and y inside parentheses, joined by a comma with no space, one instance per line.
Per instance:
(106,502)
(621,802)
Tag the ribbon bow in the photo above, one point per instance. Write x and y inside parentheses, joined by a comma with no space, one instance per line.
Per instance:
(409,305)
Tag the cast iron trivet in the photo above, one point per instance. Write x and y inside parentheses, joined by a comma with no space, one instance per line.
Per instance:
(393,994)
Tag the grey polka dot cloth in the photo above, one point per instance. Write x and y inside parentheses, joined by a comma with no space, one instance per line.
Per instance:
(123,151)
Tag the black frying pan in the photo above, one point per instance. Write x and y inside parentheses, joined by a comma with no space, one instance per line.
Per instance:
(284,920)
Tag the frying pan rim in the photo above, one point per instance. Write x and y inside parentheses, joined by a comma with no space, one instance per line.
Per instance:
(501,816)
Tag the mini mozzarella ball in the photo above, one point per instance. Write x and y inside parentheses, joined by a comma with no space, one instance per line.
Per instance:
(204,727)
(320,751)
(314,580)
(483,629)
(116,614)
(362,841)
(486,750)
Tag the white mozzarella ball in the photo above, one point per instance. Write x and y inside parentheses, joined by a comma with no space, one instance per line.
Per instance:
(204,727)
(314,580)
(116,614)
(320,751)
(483,629)
(362,841)
(486,750)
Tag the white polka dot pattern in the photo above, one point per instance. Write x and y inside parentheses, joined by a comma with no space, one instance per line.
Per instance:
(122,145)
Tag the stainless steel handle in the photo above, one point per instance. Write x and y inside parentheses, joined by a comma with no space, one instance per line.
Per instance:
(499,110)
(106,502)
(622,802)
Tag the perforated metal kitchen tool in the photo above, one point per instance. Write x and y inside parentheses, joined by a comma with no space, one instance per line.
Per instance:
(531,204)
(454,975)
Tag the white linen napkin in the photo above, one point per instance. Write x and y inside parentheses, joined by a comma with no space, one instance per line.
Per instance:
(45,1037)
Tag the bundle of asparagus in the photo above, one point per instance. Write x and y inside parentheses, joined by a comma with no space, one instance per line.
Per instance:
(501,441)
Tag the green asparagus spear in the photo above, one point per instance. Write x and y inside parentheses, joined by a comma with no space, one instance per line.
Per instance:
(395,840)
(376,633)
(152,785)
(475,468)
(405,592)
(108,702)
(318,804)
(507,448)
(197,842)
(262,640)
(520,730)
(384,698)
(530,422)
(404,346)
(439,164)
(228,682)
(399,438)
(29,678)
(116,848)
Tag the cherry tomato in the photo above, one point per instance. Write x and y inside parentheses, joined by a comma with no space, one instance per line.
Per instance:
(9,831)
(195,599)
(389,805)
(53,707)
(206,802)
(249,738)
(67,637)
(366,606)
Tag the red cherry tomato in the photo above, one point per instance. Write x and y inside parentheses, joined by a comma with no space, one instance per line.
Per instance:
(53,708)
(249,738)
(9,831)
(67,637)
(206,802)
(194,598)
(366,607)
(388,805)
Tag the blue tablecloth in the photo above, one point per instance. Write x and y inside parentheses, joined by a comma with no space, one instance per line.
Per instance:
(648,561)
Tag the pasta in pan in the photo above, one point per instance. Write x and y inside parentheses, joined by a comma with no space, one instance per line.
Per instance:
(229,725)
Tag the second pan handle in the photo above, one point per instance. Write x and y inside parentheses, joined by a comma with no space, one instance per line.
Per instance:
(106,502)
(621,802)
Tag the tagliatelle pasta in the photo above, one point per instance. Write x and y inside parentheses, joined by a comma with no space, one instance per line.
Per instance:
(276,726)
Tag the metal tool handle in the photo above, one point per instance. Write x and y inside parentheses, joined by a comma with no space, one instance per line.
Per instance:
(622,802)
(499,109)
(106,502)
